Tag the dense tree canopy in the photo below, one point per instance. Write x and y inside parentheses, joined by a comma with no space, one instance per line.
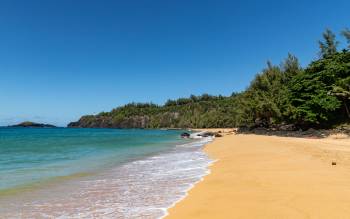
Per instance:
(316,96)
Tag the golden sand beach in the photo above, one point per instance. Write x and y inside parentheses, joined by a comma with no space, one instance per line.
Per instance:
(272,177)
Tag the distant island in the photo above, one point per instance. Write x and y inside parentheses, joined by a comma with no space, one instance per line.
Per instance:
(282,97)
(28,124)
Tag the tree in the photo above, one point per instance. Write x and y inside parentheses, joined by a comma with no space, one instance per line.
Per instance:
(329,45)
(320,94)
(346,34)
(310,100)
(193,98)
(341,87)
(290,67)
(342,91)
(265,97)
(317,96)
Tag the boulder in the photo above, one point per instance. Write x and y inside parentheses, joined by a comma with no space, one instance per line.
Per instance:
(185,135)
(287,127)
(218,135)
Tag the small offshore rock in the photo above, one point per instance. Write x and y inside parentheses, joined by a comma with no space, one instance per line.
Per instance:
(185,135)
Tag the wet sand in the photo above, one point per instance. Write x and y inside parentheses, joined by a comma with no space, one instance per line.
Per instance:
(272,177)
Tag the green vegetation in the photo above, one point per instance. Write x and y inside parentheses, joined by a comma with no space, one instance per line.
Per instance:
(317,96)
(29,124)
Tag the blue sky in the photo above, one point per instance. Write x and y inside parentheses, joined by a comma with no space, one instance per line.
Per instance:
(61,59)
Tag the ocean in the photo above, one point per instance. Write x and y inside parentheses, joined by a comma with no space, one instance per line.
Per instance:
(96,173)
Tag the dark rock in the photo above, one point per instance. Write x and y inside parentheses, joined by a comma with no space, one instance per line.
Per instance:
(206,134)
(185,135)
(218,135)
(288,127)
(243,129)
(334,163)
(259,122)
(260,130)
(311,132)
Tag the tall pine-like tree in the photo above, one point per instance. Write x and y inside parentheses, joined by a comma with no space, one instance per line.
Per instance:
(290,66)
(329,44)
(346,34)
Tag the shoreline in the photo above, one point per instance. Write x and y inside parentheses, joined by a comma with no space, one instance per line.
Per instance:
(192,185)
(271,177)
(166,211)
(175,169)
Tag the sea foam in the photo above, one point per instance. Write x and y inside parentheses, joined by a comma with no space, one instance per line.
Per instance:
(143,188)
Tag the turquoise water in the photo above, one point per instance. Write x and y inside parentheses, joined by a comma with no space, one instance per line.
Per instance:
(96,173)
(32,155)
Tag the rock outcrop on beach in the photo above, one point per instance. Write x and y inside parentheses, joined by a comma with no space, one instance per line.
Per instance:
(290,131)
(33,125)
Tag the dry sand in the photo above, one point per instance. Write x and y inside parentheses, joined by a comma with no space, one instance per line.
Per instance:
(272,177)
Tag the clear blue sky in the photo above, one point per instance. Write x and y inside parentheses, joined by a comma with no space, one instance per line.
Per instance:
(60,59)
